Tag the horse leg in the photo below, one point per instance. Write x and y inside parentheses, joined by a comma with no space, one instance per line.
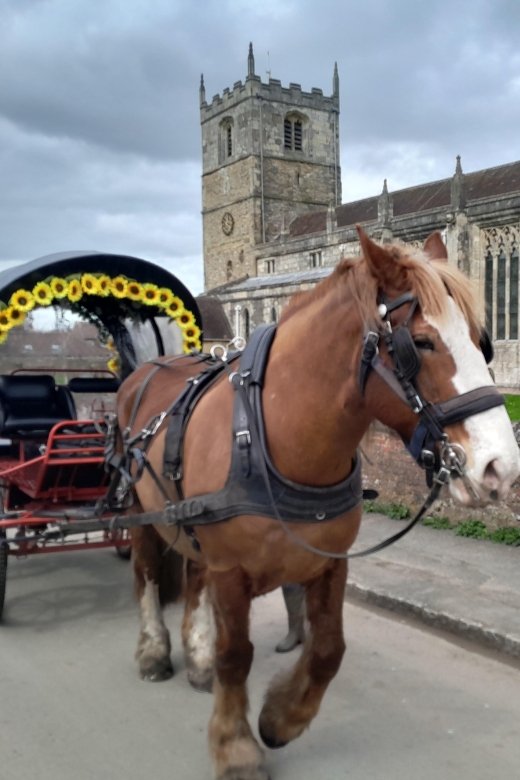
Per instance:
(294,697)
(235,753)
(158,579)
(294,596)
(198,630)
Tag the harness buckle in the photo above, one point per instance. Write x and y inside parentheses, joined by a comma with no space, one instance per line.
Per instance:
(443,476)
(247,434)
(416,404)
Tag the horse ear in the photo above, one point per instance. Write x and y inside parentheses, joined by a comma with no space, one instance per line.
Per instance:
(380,262)
(435,247)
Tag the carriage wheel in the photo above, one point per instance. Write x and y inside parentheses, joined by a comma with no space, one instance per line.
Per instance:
(124,552)
(3,573)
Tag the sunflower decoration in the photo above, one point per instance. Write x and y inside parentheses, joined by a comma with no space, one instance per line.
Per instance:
(90,284)
(191,332)
(113,364)
(59,287)
(119,287)
(110,343)
(3,336)
(175,307)
(150,294)
(43,294)
(185,319)
(5,321)
(104,285)
(16,316)
(190,345)
(75,291)
(134,291)
(165,297)
(23,300)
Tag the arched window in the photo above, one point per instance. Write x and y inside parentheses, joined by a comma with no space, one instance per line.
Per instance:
(229,270)
(501,296)
(489,294)
(226,139)
(247,324)
(293,133)
(513,295)
(274,317)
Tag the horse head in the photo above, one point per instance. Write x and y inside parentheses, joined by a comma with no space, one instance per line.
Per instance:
(426,344)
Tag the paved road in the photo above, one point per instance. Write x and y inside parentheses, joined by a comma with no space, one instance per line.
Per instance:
(406,703)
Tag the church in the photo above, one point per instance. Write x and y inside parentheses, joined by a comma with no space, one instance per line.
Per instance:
(274,223)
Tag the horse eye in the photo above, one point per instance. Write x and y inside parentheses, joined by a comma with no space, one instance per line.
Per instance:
(422,343)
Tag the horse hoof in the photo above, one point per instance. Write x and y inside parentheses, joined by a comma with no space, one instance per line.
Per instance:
(245,773)
(201,681)
(270,740)
(157,672)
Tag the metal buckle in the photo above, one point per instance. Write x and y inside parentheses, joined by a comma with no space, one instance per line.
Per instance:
(247,434)
(219,348)
(155,426)
(418,405)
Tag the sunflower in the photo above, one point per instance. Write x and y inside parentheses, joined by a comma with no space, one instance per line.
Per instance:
(150,294)
(185,319)
(165,297)
(23,300)
(175,308)
(191,344)
(110,343)
(74,293)
(3,336)
(59,287)
(89,284)
(191,332)
(119,287)
(104,285)
(43,294)
(5,321)
(134,291)
(16,316)
(113,364)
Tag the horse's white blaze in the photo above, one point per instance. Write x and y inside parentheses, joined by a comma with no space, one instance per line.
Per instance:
(493,455)
(200,645)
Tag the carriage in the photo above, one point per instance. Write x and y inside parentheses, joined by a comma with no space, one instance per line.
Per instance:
(52,418)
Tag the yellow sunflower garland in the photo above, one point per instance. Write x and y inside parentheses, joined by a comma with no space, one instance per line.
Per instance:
(42,294)
(74,288)
(59,287)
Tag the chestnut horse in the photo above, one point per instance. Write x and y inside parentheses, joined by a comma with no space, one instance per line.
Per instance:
(315,418)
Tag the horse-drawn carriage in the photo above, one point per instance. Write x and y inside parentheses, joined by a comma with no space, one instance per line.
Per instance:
(52,459)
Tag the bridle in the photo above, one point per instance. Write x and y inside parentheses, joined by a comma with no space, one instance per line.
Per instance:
(430,445)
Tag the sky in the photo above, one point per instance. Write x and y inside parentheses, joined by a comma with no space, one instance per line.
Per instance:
(99,106)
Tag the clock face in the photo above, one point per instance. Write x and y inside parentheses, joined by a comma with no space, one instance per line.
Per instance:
(228,223)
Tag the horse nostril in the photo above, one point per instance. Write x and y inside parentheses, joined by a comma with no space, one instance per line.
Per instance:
(492,479)
(494,495)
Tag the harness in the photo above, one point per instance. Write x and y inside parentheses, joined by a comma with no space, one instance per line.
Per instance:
(254,486)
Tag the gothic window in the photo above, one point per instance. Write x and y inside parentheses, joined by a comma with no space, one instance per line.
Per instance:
(226,139)
(316,259)
(293,134)
(229,270)
(501,280)
(247,324)
(513,296)
(269,266)
(274,318)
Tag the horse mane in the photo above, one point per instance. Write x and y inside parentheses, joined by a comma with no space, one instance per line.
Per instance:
(428,280)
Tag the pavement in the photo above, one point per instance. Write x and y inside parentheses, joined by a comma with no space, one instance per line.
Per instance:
(467,587)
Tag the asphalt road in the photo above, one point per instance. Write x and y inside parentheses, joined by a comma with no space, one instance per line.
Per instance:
(406,704)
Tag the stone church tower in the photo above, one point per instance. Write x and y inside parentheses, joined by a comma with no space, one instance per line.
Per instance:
(270,154)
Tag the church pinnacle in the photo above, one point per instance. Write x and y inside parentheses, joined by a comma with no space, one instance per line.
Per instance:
(335,81)
(251,62)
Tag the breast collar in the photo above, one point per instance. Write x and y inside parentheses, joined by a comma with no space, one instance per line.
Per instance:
(245,491)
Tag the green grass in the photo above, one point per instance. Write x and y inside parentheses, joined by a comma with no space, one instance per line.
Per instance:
(394,511)
(513,407)
(509,536)
(473,529)
(441,523)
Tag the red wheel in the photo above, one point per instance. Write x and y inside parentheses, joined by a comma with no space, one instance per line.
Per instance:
(124,552)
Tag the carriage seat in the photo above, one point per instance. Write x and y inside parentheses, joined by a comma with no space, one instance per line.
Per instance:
(30,405)
(94,384)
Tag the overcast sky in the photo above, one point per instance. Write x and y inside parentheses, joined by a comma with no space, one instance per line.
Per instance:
(99,119)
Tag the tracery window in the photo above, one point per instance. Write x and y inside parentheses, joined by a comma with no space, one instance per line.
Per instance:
(501,293)
(226,139)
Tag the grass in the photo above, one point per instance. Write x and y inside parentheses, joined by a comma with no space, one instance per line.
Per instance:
(471,529)
(513,407)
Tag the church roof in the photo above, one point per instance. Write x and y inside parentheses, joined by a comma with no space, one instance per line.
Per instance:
(215,324)
(490,182)
(257,282)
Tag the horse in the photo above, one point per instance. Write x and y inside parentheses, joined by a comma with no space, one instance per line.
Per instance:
(316,413)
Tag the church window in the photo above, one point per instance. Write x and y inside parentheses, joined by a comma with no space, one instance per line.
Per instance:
(274,318)
(229,146)
(489,293)
(298,179)
(269,266)
(226,139)
(316,259)
(513,296)
(229,270)
(293,134)
(501,296)
(247,324)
